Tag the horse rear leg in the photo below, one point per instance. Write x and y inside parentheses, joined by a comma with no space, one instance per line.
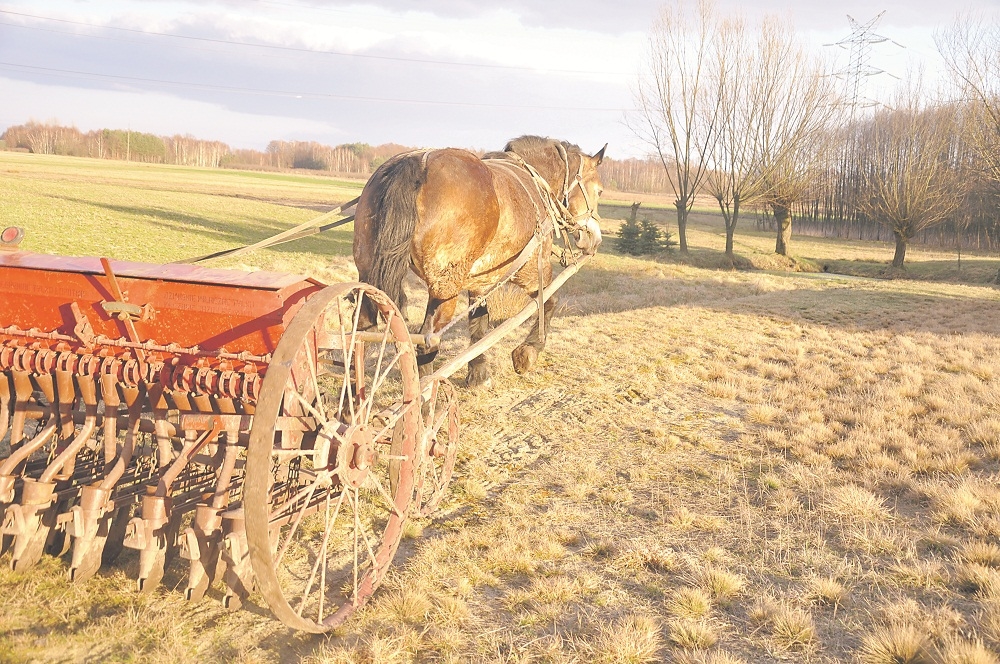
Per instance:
(479,367)
(525,355)
(438,314)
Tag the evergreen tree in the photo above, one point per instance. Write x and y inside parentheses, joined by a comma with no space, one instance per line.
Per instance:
(628,237)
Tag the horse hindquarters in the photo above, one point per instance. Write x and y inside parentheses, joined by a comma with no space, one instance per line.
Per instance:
(384,224)
(458,217)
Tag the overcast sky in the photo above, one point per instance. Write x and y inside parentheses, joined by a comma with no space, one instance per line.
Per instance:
(427,73)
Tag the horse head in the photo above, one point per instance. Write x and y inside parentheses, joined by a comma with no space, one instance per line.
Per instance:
(582,195)
(572,175)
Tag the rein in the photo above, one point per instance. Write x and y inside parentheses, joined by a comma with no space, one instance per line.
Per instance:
(304,229)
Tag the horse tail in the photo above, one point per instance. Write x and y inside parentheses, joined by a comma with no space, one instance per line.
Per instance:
(393,220)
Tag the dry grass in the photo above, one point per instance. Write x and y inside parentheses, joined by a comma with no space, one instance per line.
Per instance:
(706,466)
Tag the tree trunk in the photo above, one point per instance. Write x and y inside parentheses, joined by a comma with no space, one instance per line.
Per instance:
(682,222)
(731,229)
(783,219)
(897,259)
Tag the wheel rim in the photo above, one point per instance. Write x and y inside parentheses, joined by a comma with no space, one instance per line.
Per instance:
(325,508)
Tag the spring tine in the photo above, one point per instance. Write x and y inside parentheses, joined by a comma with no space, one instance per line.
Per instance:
(123,458)
(47,387)
(158,402)
(10,465)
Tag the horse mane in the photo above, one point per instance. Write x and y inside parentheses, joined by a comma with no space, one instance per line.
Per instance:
(544,155)
(528,144)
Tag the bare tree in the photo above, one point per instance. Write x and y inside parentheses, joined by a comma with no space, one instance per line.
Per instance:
(911,177)
(676,109)
(737,177)
(971,50)
(795,127)
(776,107)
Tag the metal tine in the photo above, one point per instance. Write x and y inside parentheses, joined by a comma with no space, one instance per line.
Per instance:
(4,405)
(23,392)
(66,396)
(62,466)
(112,400)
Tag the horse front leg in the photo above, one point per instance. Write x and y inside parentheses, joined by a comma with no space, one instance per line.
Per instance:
(525,355)
(479,367)
(533,281)
(438,314)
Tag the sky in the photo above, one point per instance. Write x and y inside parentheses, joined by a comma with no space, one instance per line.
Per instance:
(422,73)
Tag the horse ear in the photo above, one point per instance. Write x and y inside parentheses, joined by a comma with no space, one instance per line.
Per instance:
(600,155)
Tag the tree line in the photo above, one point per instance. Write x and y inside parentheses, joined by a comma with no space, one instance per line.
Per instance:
(121,144)
(352,159)
(745,113)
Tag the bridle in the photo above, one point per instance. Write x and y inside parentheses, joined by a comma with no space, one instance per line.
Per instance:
(571,219)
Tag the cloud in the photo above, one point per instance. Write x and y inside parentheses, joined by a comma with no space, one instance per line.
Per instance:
(599,16)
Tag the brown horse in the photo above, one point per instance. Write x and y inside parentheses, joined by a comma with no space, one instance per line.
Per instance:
(460,222)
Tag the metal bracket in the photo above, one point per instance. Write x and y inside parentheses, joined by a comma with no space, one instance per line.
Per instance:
(127,311)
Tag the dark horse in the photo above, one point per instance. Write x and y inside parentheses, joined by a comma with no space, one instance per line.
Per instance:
(460,222)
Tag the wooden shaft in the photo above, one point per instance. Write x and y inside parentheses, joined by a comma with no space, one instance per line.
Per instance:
(376,338)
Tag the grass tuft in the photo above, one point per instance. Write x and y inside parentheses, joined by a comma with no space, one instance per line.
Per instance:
(630,640)
(792,628)
(957,651)
(689,603)
(693,634)
(721,584)
(896,644)
(825,590)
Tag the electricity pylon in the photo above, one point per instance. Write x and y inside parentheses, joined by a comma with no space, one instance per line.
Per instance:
(860,42)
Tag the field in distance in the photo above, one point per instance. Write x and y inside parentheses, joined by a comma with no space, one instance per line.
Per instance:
(706,466)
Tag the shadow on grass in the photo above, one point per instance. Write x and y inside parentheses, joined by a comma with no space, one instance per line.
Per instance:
(841,302)
(974,270)
(222,235)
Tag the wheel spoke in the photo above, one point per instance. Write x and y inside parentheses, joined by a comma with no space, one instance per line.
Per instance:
(315,383)
(319,558)
(322,555)
(308,406)
(295,525)
(378,366)
(385,494)
(364,536)
(347,350)
(357,527)
(369,400)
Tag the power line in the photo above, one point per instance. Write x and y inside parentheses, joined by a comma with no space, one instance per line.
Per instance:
(70,73)
(295,49)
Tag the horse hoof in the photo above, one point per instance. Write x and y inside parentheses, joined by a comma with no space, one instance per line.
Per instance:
(524,357)
(478,380)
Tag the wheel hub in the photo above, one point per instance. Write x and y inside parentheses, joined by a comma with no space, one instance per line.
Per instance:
(356,455)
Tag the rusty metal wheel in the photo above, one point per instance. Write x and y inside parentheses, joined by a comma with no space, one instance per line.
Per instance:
(330,466)
(439,446)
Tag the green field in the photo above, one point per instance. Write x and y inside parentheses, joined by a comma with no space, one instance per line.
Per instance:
(707,465)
